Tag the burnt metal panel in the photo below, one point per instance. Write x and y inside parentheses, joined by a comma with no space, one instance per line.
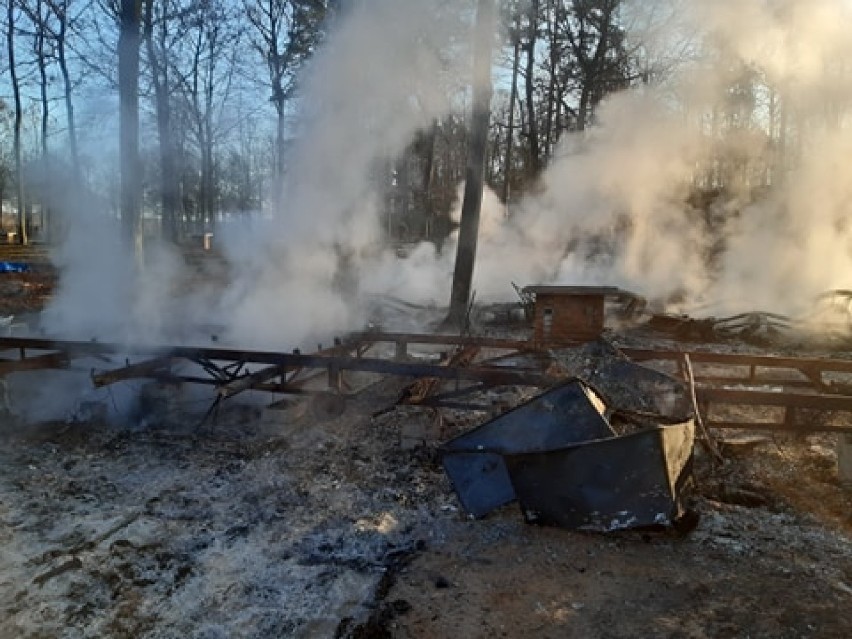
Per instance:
(623,482)
(628,388)
(564,415)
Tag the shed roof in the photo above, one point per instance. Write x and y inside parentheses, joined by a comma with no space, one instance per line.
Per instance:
(574,290)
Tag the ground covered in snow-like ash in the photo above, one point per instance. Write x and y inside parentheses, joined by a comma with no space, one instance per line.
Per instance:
(246,527)
(269,524)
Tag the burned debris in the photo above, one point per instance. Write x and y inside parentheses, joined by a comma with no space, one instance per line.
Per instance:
(475,438)
(604,442)
(560,457)
(476,461)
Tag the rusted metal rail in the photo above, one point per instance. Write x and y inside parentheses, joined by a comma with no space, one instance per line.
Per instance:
(212,358)
(808,401)
(798,386)
(812,370)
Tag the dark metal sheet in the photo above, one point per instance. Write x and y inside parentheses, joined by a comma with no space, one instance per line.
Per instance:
(622,482)
(627,387)
(564,415)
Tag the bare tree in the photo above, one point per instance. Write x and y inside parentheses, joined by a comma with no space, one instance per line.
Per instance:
(61,11)
(204,75)
(515,35)
(472,203)
(40,22)
(162,23)
(128,94)
(529,86)
(16,141)
(284,33)
(597,45)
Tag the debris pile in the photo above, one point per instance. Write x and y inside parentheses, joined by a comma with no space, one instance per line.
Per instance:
(561,457)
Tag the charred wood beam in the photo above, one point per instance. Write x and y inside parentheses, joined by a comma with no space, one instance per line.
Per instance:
(72,348)
(742,359)
(454,340)
(431,402)
(355,341)
(227,372)
(787,424)
(374,365)
(251,380)
(421,389)
(791,402)
(289,389)
(755,397)
(148,368)
(208,358)
(811,368)
(755,379)
(38,362)
(437,398)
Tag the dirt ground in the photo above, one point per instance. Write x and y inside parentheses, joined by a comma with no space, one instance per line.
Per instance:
(269,523)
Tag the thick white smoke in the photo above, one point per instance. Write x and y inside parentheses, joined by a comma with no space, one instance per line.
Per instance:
(761,87)
(612,207)
(390,67)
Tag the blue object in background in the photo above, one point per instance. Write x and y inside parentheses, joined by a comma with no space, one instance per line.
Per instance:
(14,267)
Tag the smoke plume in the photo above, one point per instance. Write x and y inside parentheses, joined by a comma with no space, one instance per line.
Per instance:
(752,112)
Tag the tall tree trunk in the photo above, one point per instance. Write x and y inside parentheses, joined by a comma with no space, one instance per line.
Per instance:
(553,63)
(513,97)
(41,61)
(583,108)
(62,17)
(280,151)
(16,140)
(208,180)
(128,96)
(403,184)
(169,179)
(532,125)
(472,203)
(428,173)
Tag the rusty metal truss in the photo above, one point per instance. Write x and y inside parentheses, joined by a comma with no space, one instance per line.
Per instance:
(813,394)
(229,369)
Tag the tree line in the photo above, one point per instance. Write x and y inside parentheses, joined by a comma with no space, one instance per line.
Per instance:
(216,86)
(205,69)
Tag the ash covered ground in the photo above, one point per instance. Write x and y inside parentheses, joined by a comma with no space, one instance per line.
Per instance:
(273,523)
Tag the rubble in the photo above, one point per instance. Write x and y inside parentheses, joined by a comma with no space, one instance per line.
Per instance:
(559,456)
(338,520)
(475,461)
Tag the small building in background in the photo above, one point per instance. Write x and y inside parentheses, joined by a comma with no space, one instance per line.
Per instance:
(569,314)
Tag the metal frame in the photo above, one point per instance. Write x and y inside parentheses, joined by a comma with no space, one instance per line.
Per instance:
(800,398)
(226,367)
(295,373)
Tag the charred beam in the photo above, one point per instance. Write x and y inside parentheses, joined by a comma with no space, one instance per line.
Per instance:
(404,339)
(807,365)
(39,362)
(251,380)
(148,368)
(754,397)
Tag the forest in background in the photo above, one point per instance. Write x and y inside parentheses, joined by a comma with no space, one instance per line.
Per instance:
(219,99)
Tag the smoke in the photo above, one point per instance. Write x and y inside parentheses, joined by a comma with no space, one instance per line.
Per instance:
(757,100)
(721,185)
(724,185)
(390,67)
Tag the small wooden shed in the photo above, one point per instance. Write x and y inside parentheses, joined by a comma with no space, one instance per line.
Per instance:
(568,314)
